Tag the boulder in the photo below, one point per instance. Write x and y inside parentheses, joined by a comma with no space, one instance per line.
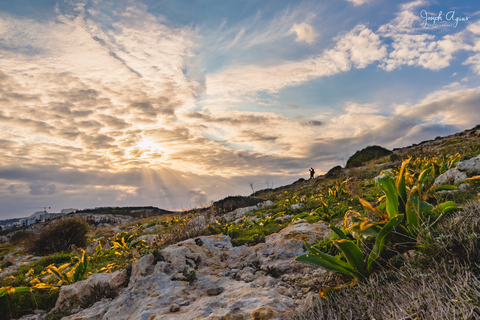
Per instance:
(459,173)
(70,295)
(451,176)
(148,238)
(296,206)
(142,268)
(265,204)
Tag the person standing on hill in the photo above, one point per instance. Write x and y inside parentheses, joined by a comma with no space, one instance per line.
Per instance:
(312,173)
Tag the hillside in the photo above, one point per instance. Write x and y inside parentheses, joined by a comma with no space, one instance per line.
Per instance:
(396,238)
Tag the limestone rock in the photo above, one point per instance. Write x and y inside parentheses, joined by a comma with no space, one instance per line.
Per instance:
(459,173)
(265,204)
(90,249)
(238,213)
(148,238)
(296,206)
(262,313)
(142,268)
(470,166)
(231,282)
(70,294)
(451,176)
(214,290)
(174,307)
(288,243)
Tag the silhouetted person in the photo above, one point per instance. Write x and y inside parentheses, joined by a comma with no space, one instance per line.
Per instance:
(312,173)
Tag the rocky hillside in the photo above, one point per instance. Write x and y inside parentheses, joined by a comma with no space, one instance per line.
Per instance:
(327,247)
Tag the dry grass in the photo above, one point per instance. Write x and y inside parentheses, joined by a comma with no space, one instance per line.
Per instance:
(409,294)
(443,283)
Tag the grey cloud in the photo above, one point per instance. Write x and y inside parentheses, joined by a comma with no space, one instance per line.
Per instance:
(65,109)
(114,122)
(234,119)
(89,124)
(13,188)
(198,197)
(113,54)
(21,97)
(80,95)
(100,141)
(38,126)
(257,136)
(7,144)
(292,106)
(40,189)
(146,107)
(305,122)
(314,123)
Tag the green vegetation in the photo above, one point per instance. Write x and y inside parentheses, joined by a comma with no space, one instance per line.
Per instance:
(360,157)
(393,236)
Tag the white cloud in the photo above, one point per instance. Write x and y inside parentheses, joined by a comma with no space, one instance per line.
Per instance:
(358,2)
(304,32)
(415,46)
(474,61)
(357,48)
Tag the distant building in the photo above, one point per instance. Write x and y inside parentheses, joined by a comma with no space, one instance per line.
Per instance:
(39,215)
(27,221)
(51,216)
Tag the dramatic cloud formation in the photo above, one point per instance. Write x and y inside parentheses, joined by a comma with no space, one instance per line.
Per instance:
(117,103)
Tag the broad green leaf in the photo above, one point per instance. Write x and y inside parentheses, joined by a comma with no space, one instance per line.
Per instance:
(445,187)
(401,188)
(456,158)
(22,289)
(79,271)
(381,240)
(412,214)
(447,207)
(318,258)
(338,232)
(424,174)
(386,183)
(353,255)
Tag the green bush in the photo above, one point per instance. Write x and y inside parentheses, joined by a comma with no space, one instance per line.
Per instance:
(59,237)
(367,154)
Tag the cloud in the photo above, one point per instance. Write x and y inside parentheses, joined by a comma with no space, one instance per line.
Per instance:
(13,188)
(356,108)
(40,189)
(305,122)
(357,48)
(304,32)
(414,46)
(358,2)
(198,197)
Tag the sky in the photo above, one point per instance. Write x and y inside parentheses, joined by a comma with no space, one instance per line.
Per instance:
(176,103)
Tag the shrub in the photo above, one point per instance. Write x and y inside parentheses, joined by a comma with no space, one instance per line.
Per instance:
(59,237)
(20,236)
(366,154)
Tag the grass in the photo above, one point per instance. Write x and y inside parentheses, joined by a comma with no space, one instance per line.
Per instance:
(440,282)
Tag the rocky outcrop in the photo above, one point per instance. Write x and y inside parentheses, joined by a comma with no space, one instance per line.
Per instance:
(208,278)
(459,173)
(70,295)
